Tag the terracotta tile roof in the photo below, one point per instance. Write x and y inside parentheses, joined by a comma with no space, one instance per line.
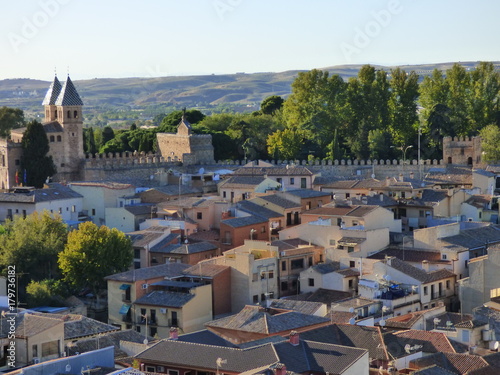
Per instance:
(255,209)
(419,274)
(323,295)
(280,201)
(457,363)
(162,270)
(307,193)
(341,317)
(205,269)
(479,201)
(317,357)
(355,302)
(165,298)
(103,184)
(258,320)
(108,339)
(410,254)
(324,268)
(348,272)
(365,337)
(303,307)
(241,182)
(28,324)
(185,354)
(407,321)
(238,222)
(189,248)
(433,342)
(432,370)
(289,244)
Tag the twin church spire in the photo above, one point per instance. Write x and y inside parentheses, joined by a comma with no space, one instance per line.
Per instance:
(62,94)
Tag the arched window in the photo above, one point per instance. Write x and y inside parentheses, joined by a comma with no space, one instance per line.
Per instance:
(69,114)
(52,138)
(469,160)
(55,113)
(449,159)
(75,114)
(59,138)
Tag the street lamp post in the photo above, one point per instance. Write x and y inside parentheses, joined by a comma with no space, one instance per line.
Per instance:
(403,150)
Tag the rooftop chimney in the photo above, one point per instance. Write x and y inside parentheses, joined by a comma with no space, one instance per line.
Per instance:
(412,175)
(400,177)
(294,338)
(174,334)
(425,265)
(381,196)
(280,369)
(387,181)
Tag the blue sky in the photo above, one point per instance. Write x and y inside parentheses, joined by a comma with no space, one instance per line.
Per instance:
(179,37)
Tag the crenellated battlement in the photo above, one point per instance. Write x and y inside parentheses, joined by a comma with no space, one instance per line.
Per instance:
(356,162)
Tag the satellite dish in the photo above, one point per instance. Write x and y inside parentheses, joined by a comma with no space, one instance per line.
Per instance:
(382,323)
(68,367)
(201,170)
(145,342)
(408,348)
(351,310)
(449,323)
(436,321)
(352,321)
(495,345)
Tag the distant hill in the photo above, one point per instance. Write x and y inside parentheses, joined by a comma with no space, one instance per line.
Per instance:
(190,91)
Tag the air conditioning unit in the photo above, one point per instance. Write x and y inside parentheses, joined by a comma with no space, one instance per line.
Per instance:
(145,286)
(163,310)
(36,360)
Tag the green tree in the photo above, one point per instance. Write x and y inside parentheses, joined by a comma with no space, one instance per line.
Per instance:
(170,121)
(48,292)
(107,135)
(36,165)
(490,143)
(32,244)
(367,108)
(315,107)
(90,144)
(10,118)
(403,106)
(485,95)
(271,104)
(92,253)
(285,144)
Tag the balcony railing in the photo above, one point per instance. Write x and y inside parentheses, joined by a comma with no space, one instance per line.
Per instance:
(438,295)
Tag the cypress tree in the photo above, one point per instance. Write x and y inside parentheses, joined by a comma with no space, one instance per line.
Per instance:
(36,165)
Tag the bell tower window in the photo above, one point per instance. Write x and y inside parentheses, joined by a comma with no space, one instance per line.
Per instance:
(75,114)
(69,114)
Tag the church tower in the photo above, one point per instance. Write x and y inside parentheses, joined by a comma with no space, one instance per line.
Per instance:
(68,110)
(50,100)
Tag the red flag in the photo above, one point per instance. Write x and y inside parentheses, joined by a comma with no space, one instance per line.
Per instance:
(17,177)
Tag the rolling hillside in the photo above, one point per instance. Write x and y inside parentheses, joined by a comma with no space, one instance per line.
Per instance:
(191,91)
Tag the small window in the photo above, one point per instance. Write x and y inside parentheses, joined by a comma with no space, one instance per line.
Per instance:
(448,284)
(445,257)
(350,249)
(421,213)
(51,138)
(292,181)
(255,298)
(69,114)
(284,285)
(283,265)
(425,291)
(59,139)
(352,264)
(93,212)
(310,261)
(75,115)
(270,274)
(224,194)
(263,229)
(17,162)
(351,283)
(311,282)
(255,276)
(199,215)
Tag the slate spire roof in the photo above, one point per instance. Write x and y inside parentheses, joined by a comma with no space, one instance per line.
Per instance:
(68,95)
(53,92)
